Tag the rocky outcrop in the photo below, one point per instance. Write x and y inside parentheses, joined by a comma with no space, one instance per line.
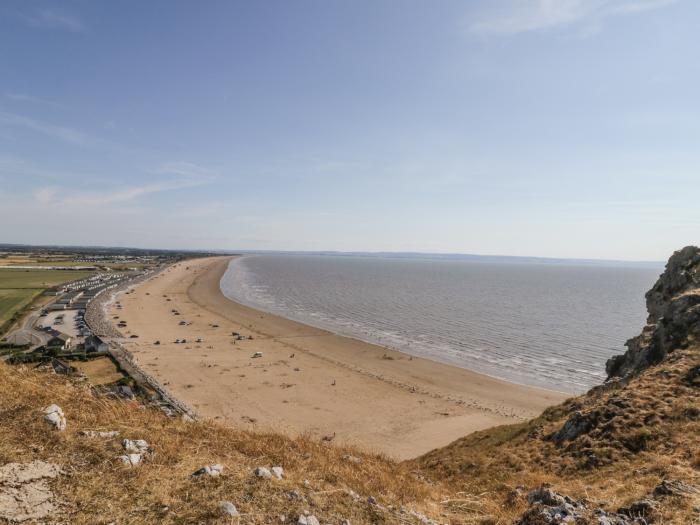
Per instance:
(550,508)
(25,493)
(674,316)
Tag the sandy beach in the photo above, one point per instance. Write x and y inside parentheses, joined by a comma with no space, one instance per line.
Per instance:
(307,379)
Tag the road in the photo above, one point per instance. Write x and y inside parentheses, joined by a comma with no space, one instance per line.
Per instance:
(25,332)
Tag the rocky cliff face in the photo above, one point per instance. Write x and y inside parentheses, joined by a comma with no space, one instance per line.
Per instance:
(674,316)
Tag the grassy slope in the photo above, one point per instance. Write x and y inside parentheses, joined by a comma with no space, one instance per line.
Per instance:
(647,431)
(97,489)
(655,437)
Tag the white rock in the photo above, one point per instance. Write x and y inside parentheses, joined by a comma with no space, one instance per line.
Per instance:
(55,416)
(135,446)
(345,522)
(351,458)
(99,433)
(229,508)
(308,520)
(131,459)
(278,472)
(263,472)
(210,470)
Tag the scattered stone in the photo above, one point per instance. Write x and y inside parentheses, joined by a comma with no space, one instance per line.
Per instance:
(99,433)
(136,446)
(550,508)
(24,491)
(55,416)
(674,488)
(211,470)
(262,472)
(131,460)
(278,472)
(352,459)
(643,508)
(576,425)
(546,496)
(308,520)
(229,509)
(256,355)
(372,500)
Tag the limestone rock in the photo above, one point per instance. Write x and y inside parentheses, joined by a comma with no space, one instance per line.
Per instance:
(210,470)
(24,491)
(278,472)
(674,488)
(229,509)
(131,460)
(550,508)
(99,433)
(136,446)
(263,472)
(308,520)
(54,415)
(673,305)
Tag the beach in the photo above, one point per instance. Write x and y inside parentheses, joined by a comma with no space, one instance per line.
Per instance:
(306,380)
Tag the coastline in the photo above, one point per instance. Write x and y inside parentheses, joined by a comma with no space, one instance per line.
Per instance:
(308,380)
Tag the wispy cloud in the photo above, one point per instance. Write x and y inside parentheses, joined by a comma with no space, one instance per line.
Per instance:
(31,99)
(519,16)
(59,132)
(184,169)
(54,19)
(177,176)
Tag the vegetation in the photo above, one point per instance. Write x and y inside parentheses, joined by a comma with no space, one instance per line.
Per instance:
(162,490)
(19,288)
(649,428)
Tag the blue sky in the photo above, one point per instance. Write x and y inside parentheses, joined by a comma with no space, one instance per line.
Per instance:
(564,128)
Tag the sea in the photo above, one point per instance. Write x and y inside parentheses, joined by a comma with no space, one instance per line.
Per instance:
(540,323)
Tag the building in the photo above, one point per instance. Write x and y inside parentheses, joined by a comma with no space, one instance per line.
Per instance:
(57,366)
(60,341)
(95,344)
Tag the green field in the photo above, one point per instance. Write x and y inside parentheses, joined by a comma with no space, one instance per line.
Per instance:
(18,288)
(13,300)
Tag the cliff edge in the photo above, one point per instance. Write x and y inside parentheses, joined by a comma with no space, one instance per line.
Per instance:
(674,316)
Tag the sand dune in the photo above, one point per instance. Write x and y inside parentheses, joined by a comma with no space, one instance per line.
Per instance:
(307,380)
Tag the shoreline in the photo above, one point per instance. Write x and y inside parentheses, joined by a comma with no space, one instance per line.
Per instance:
(369,341)
(308,380)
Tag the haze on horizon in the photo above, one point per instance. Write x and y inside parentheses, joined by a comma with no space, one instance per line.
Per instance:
(533,128)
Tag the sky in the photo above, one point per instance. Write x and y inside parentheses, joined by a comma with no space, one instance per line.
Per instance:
(560,128)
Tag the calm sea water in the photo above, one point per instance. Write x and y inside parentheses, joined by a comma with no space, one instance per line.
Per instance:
(545,325)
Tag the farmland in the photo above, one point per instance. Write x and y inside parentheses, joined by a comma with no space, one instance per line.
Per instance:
(18,288)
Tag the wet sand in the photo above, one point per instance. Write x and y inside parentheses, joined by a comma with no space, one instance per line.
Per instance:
(308,380)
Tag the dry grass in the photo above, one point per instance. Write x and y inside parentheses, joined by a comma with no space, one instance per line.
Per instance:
(100,371)
(655,436)
(97,489)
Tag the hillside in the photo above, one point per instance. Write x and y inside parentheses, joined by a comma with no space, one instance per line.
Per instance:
(627,451)
(630,445)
